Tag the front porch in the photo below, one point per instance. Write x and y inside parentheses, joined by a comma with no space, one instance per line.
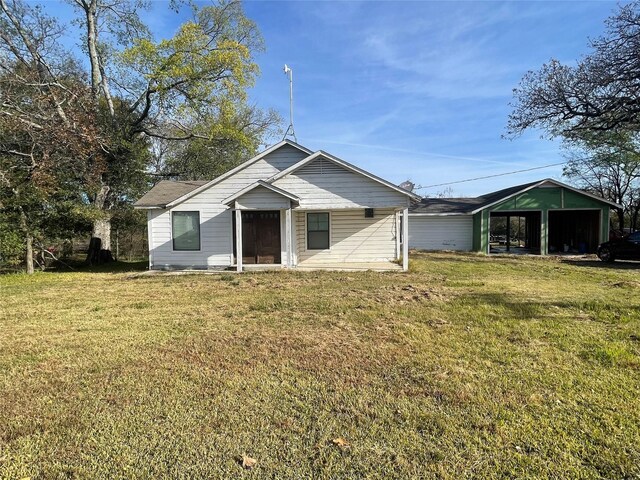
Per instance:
(272,230)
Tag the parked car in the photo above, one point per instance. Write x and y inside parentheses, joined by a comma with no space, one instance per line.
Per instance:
(624,248)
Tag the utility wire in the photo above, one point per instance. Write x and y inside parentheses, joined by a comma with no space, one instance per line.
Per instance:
(421,187)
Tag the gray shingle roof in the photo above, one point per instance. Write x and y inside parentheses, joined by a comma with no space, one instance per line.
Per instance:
(464,205)
(445,205)
(167,191)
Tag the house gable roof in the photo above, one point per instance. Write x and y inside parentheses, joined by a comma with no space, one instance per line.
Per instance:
(470,206)
(344,164)
(166,191)
(260,183)
(169,196)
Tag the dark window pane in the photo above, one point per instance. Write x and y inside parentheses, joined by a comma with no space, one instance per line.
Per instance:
(318,231)
(318,240)
(186,230)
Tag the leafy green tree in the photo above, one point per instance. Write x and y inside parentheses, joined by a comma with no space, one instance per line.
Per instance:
(608,164)
(188,90)
(231,138)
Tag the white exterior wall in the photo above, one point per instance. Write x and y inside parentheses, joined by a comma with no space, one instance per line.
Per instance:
(319,185)
(441,232)
(216,240)
(352,238)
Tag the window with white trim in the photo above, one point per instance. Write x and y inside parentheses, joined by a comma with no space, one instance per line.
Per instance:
(318,231)
(185,228)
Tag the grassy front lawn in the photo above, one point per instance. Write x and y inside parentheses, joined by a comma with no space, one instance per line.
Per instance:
(466,367)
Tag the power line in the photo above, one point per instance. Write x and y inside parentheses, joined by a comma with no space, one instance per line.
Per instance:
(421,187)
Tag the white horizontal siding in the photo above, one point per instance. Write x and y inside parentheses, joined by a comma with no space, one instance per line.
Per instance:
(215,239)
(216,246)
(353,238)
(262,198)
(337,187)
(441,233)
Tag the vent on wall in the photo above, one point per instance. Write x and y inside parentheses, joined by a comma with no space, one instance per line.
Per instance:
(322,167)
(368,213)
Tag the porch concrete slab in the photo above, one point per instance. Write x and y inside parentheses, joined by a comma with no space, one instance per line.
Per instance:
(307,267)
(350,267)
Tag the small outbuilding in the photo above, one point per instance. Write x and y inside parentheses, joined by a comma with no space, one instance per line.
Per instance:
(549,216)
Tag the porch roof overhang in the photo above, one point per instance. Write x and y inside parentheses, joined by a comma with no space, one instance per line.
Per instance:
(229,201)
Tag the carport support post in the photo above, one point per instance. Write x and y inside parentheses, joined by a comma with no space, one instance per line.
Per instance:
(405,239)
(239,240)
(508,233)
(544,232)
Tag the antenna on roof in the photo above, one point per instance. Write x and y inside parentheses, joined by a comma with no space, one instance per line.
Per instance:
(290,131)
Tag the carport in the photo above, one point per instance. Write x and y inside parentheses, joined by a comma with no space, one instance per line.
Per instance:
(549,216)
(559,218)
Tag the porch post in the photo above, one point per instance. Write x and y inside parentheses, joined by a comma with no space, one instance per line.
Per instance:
(287,234)
(405,239)
(239,240)
(397,220)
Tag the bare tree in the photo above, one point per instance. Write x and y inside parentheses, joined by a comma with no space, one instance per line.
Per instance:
(600,93)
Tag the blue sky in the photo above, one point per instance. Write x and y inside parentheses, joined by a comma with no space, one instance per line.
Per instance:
(413,90)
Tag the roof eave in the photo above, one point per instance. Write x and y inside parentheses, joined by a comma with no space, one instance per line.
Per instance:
(148,207)
(441,214)
(537,184)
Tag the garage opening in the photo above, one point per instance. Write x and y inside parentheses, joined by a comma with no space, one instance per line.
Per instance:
(574,231)
(514,232)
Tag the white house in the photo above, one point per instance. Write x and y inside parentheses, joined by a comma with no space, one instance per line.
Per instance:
(287,207)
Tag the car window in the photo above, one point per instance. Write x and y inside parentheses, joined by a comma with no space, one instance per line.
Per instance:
(634,237)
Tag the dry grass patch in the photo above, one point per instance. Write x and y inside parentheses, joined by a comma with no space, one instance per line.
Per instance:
(465,367)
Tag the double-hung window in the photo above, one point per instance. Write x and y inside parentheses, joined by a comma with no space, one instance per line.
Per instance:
(186,231)
(318,231)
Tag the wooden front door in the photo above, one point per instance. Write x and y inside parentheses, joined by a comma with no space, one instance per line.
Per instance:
(260,237)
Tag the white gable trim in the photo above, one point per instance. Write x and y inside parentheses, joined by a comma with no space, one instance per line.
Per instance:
(343,164)
(235,170)
(264,184)
(541,182)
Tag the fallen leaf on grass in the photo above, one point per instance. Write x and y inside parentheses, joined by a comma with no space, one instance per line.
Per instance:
(248,462)
(341,442)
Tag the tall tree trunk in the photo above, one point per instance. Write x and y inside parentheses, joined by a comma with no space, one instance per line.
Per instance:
(102,230)
(99,252)
(90,11)
(28,256)
(100,244)
(620,213)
